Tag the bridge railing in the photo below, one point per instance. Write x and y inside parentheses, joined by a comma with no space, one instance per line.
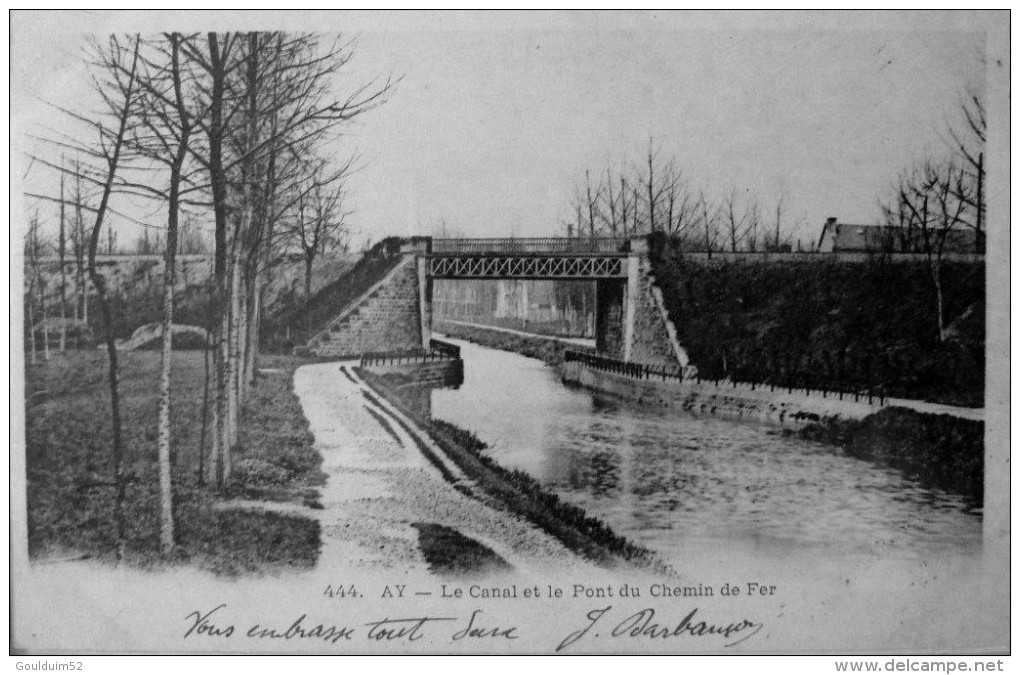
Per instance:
(641,371)
(644,371)
(438,351)
(529,245)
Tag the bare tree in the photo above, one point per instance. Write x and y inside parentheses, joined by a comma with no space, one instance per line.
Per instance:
(927,196)
(624,205)
(119,91)
(752,219)
(79,245)
(168,125)
(61,255)
(36,282)
(709,223)
(611,200)
(656,189)
(268,97)
(321,222)
(734,220)
(967,142)
(779,240)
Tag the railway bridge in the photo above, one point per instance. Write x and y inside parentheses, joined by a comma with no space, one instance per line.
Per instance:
(631,323)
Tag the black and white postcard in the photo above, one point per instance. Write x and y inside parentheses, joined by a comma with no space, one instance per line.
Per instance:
(510,333)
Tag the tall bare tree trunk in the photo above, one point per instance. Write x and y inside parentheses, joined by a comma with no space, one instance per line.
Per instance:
(99,282)
(31,331)
(166,529)
(212,470)
(218,181)
(254,317)
(233,365)
(979,244)
(166,520)
(61,246)
(240,336)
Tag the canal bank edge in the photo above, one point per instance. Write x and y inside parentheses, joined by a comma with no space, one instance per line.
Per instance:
(940,451)
(725,400)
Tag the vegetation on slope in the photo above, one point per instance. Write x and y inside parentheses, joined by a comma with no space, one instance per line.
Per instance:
(869,325)
(295,324)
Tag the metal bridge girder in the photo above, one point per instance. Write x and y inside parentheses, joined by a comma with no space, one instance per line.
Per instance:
(527,266)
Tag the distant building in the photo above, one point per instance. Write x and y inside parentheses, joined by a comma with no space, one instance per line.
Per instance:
(838,237)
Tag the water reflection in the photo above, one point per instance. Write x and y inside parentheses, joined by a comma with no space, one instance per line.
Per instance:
(673,482)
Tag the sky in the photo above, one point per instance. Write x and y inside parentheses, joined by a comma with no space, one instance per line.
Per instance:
(498,115)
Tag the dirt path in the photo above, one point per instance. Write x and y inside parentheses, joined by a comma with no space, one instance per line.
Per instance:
(380,484)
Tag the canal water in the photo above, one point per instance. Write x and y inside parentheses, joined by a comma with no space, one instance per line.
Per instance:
(700,489)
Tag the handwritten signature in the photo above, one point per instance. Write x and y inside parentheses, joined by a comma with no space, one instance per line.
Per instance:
(642,624)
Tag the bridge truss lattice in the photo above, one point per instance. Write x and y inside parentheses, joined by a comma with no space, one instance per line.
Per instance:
(527,267)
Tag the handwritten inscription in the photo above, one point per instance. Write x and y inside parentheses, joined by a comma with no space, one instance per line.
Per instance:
(209,624)
(598,624)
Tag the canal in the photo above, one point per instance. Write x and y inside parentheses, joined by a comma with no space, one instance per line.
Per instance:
(699,489)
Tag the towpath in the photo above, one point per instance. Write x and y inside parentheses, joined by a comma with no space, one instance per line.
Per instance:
(580,342)
(380,484)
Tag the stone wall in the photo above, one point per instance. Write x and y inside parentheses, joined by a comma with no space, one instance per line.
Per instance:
(654,338)
(386,318)
(739,402)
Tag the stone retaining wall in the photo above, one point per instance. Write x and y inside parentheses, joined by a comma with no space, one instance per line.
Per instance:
(777,408)
(386,318)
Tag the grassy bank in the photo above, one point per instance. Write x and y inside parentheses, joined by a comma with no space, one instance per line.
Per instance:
(548,350)
(866,325)
(519,493)
(936,450)
(68,462)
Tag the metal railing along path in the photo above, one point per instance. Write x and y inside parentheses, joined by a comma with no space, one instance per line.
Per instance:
(531,245)
(438,351)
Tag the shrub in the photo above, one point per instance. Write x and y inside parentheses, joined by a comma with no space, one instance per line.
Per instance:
(259,472)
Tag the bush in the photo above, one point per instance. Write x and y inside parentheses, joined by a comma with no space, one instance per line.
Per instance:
(259,472)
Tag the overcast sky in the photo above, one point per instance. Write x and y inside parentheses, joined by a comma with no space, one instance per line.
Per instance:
(498,115)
